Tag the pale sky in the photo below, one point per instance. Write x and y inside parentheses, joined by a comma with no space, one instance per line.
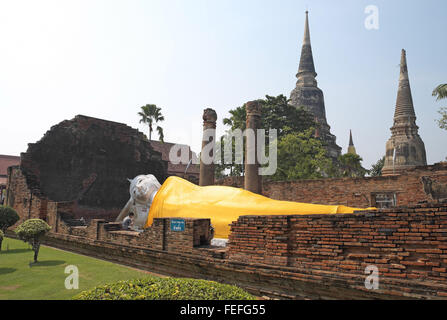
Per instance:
(108,58)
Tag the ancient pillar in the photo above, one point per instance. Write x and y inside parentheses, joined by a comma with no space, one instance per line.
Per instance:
(208,143)
(252,179)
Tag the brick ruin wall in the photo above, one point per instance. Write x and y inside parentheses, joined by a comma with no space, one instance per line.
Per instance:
(28,204)
(407,245)
(294,257)
(426,183)
(298,257)
(84,162)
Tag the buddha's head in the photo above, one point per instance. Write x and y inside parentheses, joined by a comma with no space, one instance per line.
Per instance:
(142,187)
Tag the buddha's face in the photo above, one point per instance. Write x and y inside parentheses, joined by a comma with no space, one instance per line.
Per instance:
(142,187)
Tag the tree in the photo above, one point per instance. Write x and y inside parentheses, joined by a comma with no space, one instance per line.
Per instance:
(1,239)
(234,168)
(440,92)
(276,113)
(302,156)
(151,114)
(32,231)
(8,217)
(442,123)
(376,169)
(350,165)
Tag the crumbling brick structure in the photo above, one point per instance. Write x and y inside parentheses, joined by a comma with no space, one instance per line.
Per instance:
(298,257)
(407,245)
(85,161)
(294,257)
(421,184)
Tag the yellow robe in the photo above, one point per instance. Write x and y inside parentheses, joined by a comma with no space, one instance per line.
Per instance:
(178,198)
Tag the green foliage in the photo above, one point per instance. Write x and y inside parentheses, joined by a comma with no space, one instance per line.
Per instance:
(276,113)
(302,156)
(440,92)
(442,123)
(8,217)
(153,288)
(235,168)
(376,169)
(151,114)
(32,231)
(350,165)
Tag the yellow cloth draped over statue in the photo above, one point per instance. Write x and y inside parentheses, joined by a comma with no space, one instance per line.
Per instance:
(178,198)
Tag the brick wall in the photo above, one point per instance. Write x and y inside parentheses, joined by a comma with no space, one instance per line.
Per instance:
(356,192)
(29,204)
(310,257)
(88,161)
(159,236)
(407,245)
(313,256)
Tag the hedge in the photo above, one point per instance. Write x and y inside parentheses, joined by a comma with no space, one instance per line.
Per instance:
(154,288)
(8,217)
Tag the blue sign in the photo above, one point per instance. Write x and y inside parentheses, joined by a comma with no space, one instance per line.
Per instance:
(177,225)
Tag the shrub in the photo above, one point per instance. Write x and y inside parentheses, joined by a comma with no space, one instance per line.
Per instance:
(154,288)
(32,231)
(1,239)
(8,217)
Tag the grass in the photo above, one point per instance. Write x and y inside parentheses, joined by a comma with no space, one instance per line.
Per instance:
(22,279)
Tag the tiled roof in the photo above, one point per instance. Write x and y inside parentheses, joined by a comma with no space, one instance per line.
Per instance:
(7,161)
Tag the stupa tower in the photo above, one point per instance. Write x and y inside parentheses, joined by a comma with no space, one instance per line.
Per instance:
(405,149)
(351,148)
(308,95)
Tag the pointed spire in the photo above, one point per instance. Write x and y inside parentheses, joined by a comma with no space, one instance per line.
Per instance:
(306,39)
(405,149)
(404,101)
(351,148)
(306,71)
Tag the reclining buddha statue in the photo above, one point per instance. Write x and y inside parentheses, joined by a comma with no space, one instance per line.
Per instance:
(223,205)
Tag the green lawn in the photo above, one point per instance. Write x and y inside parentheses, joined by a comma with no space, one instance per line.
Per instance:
(21,279)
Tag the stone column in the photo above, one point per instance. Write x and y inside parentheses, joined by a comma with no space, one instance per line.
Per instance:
(252,179)
(208,142)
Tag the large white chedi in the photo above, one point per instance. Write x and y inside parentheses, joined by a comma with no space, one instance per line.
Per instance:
(142,192)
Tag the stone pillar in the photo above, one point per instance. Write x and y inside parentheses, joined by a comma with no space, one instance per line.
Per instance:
(252,179)
(208,143)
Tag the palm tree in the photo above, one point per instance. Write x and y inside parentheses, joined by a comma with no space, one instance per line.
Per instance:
(151,114)
(440,92)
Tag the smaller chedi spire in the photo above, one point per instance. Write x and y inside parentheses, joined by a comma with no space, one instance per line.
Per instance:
(405,149)
(351,148)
